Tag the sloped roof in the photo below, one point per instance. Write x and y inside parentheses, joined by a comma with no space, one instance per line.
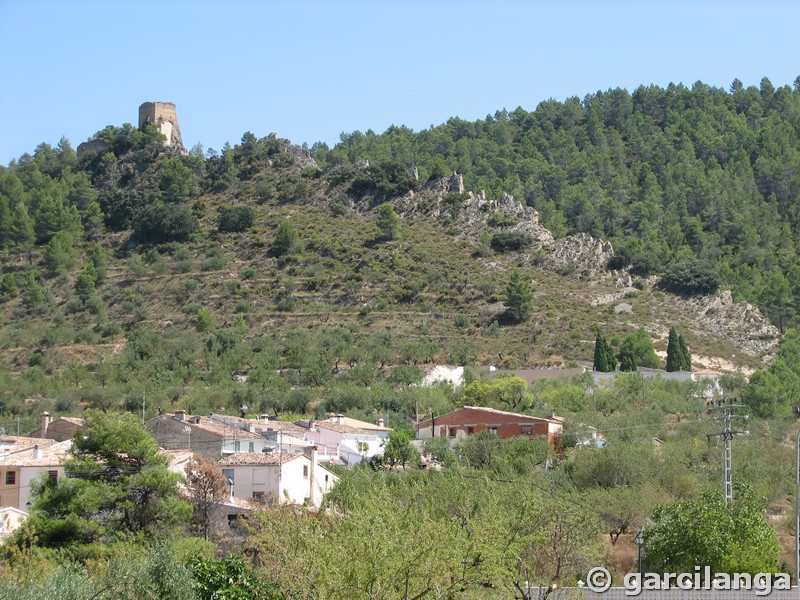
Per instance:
(495,411)
(53,455)
(211,426)
(258,458)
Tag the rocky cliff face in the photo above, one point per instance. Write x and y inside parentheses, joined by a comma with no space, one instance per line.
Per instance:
(581,252)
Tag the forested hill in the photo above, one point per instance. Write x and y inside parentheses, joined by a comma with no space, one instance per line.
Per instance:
(265,275)
(663,173)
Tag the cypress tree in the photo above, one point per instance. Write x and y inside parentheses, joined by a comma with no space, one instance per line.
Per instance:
(686,358)
(604,360)
(674,357)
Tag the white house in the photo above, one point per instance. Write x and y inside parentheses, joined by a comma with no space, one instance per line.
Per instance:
(278,477)
(10,520)
(282,435)
(341,439)
(24,459)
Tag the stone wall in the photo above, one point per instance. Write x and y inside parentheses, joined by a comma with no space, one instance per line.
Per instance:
(165,116)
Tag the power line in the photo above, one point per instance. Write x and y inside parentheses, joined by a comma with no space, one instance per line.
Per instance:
(727,434)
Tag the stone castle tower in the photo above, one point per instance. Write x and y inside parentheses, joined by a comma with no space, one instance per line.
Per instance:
(165,117)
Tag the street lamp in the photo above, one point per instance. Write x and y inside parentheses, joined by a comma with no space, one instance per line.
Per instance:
(639,539)
(230,483)
(797,513)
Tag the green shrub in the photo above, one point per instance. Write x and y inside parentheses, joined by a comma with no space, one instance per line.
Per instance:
(690,277)
(235,219)
(510,241)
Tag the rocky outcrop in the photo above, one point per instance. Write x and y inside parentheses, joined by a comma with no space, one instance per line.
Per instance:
(301,155)
(454,184)
(583,252)
(739,322)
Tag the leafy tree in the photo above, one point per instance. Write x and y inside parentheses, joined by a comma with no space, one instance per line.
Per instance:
(8,287)
(59,255)
(33,293)
(388,221)
(636,350)
(704,531)
(117,485)
(775,392)
(690,277)
(235,218)
(164,223)
(206,486)
(519,295)
(287,240)
(85,282)
(604,360)
(398,449)
(503,392)
(177,181)
(229,578)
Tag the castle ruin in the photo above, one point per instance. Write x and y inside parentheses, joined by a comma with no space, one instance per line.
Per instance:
(165,117)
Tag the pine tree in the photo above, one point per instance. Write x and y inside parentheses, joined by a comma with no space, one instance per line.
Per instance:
(519,295)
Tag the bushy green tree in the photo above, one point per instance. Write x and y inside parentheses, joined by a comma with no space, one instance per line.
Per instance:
(165,223)
(388,221)
(287,239)
(636,350)
(704,531)
(690,277)
(117,485)
(519,295)
(235,218)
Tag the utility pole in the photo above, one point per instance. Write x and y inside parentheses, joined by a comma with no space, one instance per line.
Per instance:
(727,433)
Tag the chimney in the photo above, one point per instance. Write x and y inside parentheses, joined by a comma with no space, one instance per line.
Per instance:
(311,453)
(45,423)
(37,452)
(264,418)
(338,419)
(380,422)
(312,425)
(551,414)
(180,415)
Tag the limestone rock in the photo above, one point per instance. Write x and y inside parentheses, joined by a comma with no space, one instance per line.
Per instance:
(583,251)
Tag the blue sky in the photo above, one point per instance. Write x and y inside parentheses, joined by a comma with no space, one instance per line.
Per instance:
(309,70)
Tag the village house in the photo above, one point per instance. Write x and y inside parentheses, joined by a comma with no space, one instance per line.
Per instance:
(278,477)
(283,436)
(60,429)
(10,520)
(474,419)
(203,435)
(23,459)
(343,440)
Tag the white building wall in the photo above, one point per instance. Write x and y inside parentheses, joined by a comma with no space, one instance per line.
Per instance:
(26,476)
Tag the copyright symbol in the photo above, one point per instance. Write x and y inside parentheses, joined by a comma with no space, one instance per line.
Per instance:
(598,580)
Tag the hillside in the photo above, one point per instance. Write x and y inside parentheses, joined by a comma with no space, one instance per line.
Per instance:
(267,265)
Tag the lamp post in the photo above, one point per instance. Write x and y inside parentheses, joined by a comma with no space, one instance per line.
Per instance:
(639,539)
(797,513)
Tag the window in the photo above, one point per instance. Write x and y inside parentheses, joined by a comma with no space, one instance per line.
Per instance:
(258,496)
(251,447)
(362,446)
(305,471)
(470,430)
(237,446)
(492,430)
(11,477)
(53,475)
(526,430)
(228,474)
(451,432)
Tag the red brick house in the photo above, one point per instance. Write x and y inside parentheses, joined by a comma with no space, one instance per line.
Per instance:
(474,419)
